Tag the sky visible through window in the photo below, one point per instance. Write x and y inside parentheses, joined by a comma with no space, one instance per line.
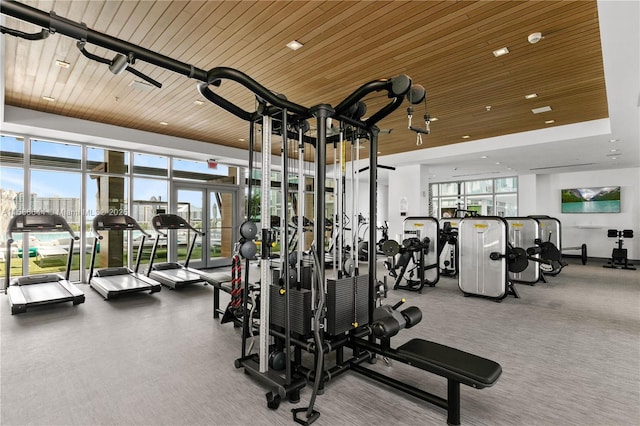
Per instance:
(66,184)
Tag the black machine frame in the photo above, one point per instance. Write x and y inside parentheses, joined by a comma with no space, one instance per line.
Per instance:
(619,258)
(286,119)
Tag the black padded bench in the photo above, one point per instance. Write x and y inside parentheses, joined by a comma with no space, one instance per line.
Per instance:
(455,365)
(219,281)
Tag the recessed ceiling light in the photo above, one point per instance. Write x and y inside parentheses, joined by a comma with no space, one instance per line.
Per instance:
(164,123)
(613,140)
(198,102)
(379,152)
(531,96)
(484,156)
(48,98)
(241,140)
(466,137)
(294,45)
(614,150)
(549,121)
(500,52)
(614,158)
(497,162)
(62,64)
(141,85)
(432,119)
(541,109)
(534,37)
(509,168)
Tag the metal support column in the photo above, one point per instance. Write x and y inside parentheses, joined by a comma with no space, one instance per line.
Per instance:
(265,221)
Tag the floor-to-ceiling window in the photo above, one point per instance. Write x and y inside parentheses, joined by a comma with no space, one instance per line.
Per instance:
(486,197)
(79,181)
(150,197)
(12,199)
(107,192)
(207,196)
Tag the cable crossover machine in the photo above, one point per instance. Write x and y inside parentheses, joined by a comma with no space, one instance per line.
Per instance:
(310,327)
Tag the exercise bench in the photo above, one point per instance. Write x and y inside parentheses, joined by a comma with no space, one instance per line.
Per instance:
(457,366)
(219,281)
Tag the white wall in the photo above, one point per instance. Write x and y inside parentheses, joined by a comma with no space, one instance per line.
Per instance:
(587,228)
(410,182)
(527,195)
(540,195)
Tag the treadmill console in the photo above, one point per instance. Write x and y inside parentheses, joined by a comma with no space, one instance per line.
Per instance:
(169,221)
(115,222)
(37,222)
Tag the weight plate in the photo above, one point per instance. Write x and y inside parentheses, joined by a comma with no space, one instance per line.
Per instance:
(293,276)
(390,247)
(518,261)
(349,266)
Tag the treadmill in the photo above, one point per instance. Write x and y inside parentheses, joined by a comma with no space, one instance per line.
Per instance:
(113,282)
(42,289)
(173,274)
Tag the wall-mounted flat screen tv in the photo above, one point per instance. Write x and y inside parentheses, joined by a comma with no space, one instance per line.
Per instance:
(604,199)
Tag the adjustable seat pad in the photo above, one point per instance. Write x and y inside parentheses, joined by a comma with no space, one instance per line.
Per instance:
(451,363)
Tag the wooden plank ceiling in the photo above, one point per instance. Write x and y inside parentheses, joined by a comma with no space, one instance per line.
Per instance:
(445,46)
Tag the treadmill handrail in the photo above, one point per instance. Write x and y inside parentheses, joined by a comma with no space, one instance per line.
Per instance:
(168,222)
(110,222)
(41,222)
(49,222)
(172,222)
(122,222)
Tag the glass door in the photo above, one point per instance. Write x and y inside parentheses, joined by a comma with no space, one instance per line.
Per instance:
(214,210)
(222,222)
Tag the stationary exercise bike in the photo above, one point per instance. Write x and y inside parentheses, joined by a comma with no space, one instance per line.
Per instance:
(619,259)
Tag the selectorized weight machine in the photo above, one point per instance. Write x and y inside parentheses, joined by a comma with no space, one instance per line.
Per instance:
(299,308)
(491,263)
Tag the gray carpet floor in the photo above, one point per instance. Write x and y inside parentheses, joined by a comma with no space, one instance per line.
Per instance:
(569,349)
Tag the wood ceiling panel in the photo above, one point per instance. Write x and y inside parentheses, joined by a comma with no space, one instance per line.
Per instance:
(445,46)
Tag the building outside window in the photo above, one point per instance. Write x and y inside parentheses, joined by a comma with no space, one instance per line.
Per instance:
(486,197)
(78,182)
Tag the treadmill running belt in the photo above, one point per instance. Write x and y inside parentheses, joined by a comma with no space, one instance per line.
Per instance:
(43,292)
(177,275)
(120,282)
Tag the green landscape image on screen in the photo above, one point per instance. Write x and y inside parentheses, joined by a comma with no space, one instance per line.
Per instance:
(591,200)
